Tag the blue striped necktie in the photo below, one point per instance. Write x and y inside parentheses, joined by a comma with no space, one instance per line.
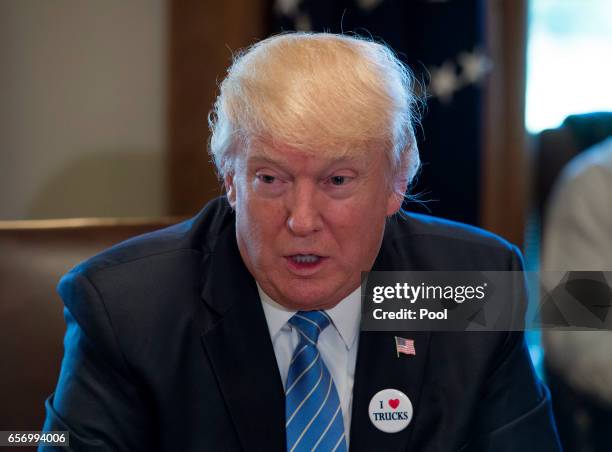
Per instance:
(313,415)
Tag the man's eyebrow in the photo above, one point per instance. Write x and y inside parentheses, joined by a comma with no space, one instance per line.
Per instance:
(260,159)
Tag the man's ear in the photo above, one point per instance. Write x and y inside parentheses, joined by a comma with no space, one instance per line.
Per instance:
(230,189)
(394,203)
(399,186)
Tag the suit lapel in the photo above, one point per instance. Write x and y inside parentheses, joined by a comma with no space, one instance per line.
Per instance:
(240,350)
(379,367)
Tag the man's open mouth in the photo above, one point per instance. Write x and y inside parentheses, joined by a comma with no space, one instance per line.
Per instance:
(305,258)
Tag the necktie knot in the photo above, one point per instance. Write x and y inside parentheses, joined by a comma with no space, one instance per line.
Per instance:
(310,324)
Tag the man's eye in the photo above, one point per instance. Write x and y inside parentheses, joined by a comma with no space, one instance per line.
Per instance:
(266,178)
(338,180)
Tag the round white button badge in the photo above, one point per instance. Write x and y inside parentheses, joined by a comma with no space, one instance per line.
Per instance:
(390,410)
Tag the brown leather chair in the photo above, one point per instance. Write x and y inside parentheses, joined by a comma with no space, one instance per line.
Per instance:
(33,256)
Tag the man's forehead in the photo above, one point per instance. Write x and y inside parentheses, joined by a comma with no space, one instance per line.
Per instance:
(281,154)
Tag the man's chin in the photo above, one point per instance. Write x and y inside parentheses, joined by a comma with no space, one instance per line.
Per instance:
(309,299)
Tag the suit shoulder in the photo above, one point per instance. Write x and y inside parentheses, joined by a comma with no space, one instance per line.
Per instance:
(414,225)
(428,243)
(154,278)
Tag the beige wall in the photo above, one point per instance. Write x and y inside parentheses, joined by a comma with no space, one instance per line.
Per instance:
(82,108)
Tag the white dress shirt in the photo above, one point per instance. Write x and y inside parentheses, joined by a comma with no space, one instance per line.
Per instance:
(337,344)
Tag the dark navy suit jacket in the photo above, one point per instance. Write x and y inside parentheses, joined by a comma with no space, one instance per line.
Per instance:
(167,348)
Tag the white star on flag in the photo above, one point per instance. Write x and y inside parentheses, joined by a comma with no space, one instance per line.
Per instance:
(287,7)
(444,82)
(475,65)
(368,5)
(405,346)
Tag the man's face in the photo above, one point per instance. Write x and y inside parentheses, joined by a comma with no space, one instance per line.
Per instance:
(308,225)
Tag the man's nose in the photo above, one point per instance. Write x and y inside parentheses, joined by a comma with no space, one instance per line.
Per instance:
(304,211)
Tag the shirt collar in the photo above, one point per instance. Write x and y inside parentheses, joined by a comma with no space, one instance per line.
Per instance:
(345,316)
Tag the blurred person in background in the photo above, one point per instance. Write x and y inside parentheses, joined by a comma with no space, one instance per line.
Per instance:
(578,236)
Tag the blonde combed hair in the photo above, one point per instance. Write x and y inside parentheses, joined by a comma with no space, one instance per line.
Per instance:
(318,92)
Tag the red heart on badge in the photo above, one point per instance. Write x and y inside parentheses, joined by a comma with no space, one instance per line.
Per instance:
(394,403)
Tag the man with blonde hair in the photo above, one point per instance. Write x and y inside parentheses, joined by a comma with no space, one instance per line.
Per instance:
(239,329)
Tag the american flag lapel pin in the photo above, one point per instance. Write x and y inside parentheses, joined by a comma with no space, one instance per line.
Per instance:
(405,346)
